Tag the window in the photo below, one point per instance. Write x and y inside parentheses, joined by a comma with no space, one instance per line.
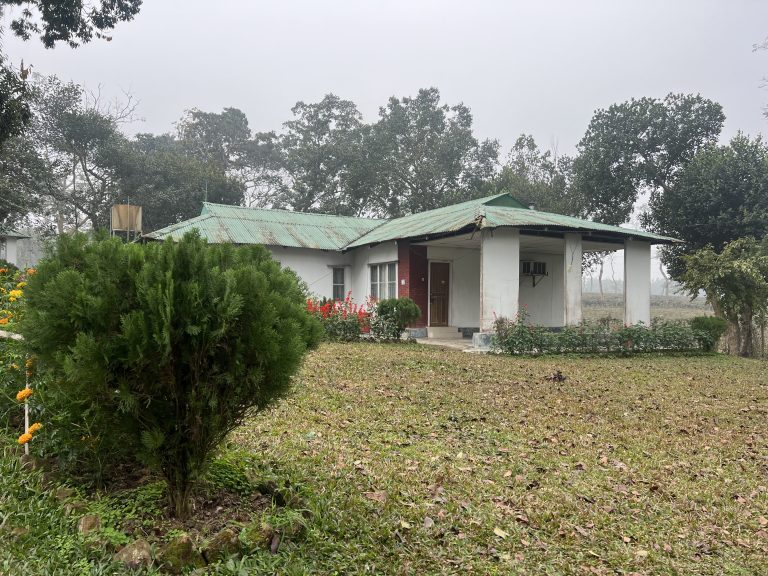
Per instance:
(384,281)
(338,284)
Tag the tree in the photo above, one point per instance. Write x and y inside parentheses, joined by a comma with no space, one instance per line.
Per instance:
(170,184)
(426,155)
(323,158)
(24,175)
(15,111)
(68,20)
(541,179)
(224,141)
(80,140)
(641,146)
(55,20)
(720,195)
(174,343)
(735,281)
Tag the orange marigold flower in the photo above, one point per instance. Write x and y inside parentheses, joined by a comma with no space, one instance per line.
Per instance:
(23,394)
(14,366)
(24,438)
(35,427)
(29,363)
(31,271)
(3,320)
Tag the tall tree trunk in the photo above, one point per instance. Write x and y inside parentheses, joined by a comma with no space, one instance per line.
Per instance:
(746,322)
(600,278)
(666,278)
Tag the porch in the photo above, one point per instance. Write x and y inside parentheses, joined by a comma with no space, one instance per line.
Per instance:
(464,282)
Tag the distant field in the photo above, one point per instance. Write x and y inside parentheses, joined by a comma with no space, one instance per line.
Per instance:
(674,307)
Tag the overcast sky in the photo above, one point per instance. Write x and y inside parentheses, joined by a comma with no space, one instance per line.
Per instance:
(537,67)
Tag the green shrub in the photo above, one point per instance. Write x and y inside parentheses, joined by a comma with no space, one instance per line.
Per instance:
(392,316)
(710,330)
(518,337)
(163,348)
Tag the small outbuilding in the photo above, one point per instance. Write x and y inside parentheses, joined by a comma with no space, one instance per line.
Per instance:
(9,245)
(464,265)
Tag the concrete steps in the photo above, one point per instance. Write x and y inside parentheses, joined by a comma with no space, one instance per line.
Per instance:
(444,333)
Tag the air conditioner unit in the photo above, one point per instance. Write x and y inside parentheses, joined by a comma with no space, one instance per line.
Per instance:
(536,270)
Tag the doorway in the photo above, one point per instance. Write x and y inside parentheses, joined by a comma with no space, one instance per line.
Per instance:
(439,297)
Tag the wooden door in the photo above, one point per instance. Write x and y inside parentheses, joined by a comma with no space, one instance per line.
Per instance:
(439,282)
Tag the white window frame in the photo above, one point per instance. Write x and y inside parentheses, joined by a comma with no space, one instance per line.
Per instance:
(343,284)
(379,266)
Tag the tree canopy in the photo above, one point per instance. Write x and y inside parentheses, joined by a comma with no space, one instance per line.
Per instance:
(69,21)
(55,21)
(640,146)
(735,280)
(719,196)
(428,155)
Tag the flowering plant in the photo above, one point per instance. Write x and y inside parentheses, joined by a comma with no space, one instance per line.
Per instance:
(12,284)
(343,320)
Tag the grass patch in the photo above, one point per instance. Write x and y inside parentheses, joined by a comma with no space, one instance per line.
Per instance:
(419,460)
(403,459)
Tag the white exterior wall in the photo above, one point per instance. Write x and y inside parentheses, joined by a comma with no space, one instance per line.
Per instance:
(499,275)
(464,292)
(10,253)
(545,302)
(637,282)
(315,267)
(362,258)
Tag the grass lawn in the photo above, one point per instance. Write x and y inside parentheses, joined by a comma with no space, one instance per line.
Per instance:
(405,459)
(416,460)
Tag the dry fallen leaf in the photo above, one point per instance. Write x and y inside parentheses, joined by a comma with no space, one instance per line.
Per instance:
(378,496)
(500,533)
(428,522)
(406,525)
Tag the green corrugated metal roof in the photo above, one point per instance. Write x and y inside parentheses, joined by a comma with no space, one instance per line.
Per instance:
(494,217)
(490,212)
(221,223)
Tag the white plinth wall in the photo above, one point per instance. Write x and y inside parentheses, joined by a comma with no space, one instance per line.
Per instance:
(637,282)
(499,275)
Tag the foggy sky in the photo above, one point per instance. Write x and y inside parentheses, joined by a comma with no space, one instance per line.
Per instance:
(538,67)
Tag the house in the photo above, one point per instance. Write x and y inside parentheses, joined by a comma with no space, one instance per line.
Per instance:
(464,265)
(9,246)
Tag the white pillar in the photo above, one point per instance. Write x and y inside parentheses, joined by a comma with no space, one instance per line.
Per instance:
(499,275)
(637,282)
(572,279)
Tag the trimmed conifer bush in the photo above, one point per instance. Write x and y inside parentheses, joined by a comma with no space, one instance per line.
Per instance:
(164,348)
